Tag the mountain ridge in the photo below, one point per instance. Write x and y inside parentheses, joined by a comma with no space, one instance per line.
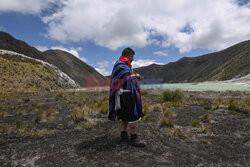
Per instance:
(221,65)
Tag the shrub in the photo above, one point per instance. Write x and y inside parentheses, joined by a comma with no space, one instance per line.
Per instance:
(168,113)
(77,115)
(217,103)
(204,141)
(232,104)
(2,114)
(172,96)
(50,111)
(145,108)
(208,107)
(20,112)
(144,92)
(239,105)
(41,132)
(203,129)
(38,116)
(205,118)
(5,129)
(90,124)
(148,118)
(234,113)
(196,123)
(247,102)
(59,95)
(179,133)
(104,108)
(18,123)
(166,122)
(157,107)
(208,104)
(26,99)
(99,103)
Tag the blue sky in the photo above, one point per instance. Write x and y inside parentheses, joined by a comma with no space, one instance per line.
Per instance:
(160,31)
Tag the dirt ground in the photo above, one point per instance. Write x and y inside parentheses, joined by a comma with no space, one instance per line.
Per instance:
(221,139)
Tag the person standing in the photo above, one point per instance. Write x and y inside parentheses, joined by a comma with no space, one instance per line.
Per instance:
(125,99)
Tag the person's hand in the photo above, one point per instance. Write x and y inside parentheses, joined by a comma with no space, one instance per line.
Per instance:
(138,76)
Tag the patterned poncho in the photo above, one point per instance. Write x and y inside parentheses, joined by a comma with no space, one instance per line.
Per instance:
(120,79)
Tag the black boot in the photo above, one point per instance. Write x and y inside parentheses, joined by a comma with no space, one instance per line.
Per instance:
(135,141)
(124,137)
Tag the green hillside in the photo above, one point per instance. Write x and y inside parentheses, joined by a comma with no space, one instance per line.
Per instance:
(20,74)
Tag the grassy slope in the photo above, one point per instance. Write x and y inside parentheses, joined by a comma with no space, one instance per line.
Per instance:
(26,75)
(66,62)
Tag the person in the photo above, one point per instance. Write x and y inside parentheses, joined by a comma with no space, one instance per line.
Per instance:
(125,99)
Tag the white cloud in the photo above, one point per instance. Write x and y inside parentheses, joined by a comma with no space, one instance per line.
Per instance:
(187,25)
(1,28)
(160,53)
(26,6)
(144,62)
(42,48)
(103,71)
(184,24)
(73,51)
(101,68)
(103,64)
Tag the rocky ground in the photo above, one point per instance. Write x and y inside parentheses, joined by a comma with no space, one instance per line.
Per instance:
(41,131)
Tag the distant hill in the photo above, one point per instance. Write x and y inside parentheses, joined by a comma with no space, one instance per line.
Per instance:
(66,62)
(223,65)
(69,64)
(20,73)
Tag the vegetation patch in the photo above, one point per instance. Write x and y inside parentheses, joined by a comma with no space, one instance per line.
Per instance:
(172,96)
(205,118)
(148,118)
(179,133)
(38,115)
(157,107)
(238,105)
(77,115)
(196,123)
(145,108)
(21,75)
(205,141)
(168,113)
(166,122)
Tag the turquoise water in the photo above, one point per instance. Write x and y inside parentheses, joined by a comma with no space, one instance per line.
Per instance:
(200,86)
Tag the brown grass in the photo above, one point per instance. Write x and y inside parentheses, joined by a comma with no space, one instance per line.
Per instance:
(166,122)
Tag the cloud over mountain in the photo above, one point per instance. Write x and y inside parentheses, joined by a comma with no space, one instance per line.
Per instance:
(187,25)
(144,62)
(27,6)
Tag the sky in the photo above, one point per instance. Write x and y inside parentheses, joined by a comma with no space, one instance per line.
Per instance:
(96,31)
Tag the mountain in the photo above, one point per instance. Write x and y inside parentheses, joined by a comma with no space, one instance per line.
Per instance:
(69,64)
(20,73)
(66,62)
(222,65)
(7,42)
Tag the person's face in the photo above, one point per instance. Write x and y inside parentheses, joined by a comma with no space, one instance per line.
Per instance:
(131,58)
